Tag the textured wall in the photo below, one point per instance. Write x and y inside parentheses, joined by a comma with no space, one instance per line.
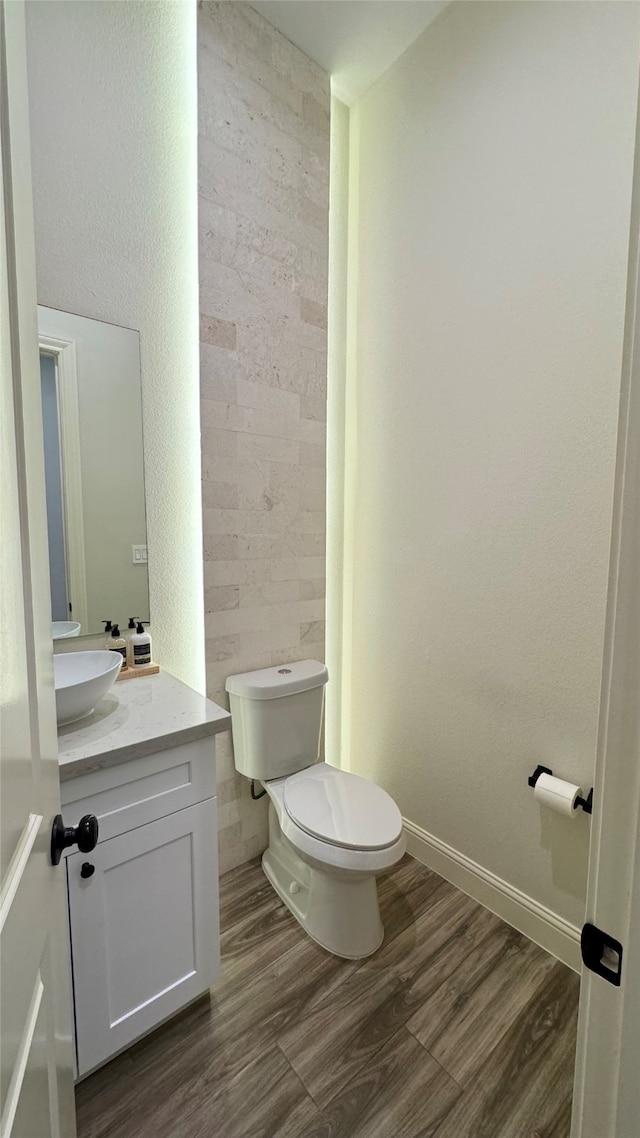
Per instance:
(263,219)
(496,176)
(113,139)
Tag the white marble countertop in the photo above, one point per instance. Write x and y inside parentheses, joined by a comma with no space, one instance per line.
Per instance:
(137,717)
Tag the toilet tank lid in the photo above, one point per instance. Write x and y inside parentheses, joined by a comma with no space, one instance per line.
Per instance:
(284,679)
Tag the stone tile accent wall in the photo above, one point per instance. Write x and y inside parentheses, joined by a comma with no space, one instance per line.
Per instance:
(263,218)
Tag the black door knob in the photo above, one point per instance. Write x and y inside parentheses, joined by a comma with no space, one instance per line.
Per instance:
(87,869)
(84,836)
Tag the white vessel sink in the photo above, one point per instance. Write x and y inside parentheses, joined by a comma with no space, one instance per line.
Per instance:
(63,629)
(81,679)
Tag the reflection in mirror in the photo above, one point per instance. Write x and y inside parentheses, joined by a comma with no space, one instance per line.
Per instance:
(92,427)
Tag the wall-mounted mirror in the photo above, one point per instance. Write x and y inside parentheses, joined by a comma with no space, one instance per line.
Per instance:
(92,423)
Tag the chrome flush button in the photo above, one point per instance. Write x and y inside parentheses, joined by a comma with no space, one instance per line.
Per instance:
(284,671)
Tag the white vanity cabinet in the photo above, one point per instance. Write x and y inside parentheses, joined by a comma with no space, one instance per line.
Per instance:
(143,906)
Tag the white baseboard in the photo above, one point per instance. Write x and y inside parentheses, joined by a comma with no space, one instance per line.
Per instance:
(540,924)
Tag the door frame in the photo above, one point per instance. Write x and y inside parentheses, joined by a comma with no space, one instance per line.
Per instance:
(64,354)
(606,1097)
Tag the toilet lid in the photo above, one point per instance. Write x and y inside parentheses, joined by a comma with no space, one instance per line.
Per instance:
(342,809)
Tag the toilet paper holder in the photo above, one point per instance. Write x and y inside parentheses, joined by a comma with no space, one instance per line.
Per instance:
(585,803)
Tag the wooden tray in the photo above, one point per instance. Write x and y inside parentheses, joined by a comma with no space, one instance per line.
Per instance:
(143,670)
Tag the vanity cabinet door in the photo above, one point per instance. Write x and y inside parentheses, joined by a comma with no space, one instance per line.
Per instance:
(144,929)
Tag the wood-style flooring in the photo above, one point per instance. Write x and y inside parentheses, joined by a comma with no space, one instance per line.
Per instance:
(458,1027)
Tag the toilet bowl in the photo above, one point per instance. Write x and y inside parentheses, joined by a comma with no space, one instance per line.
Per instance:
(330,832)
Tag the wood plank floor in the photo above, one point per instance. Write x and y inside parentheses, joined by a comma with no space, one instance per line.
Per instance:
(458,1027)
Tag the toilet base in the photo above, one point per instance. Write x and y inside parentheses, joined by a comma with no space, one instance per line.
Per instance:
(337,908)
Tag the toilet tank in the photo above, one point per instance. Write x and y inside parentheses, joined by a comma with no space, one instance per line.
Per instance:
(276,718)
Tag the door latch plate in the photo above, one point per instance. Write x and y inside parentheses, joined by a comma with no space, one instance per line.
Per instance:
(601,954)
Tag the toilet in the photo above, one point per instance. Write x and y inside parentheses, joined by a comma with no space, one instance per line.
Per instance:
(330,832)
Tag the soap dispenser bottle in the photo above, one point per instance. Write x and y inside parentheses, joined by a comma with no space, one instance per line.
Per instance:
(140,646)
(117,643)
(128,633)
(107,633)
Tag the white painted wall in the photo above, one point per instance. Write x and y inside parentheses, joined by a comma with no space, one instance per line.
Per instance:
(114,145)
(494,163)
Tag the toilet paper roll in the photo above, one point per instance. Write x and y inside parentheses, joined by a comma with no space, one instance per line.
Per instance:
(557,794)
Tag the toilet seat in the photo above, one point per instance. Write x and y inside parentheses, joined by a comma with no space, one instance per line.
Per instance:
(343,858)
(342,809)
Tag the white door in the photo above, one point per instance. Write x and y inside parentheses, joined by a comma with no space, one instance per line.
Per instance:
(607,1087)
(36,1057)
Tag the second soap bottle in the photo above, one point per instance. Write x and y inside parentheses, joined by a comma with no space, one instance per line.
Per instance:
(139,646)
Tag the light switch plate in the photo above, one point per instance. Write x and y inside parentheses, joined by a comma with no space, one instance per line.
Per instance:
(139,554)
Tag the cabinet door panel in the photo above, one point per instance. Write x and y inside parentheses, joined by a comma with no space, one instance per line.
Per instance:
(144,929)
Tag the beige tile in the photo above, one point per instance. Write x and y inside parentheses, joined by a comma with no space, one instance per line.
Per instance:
(215,247)
(269,240)
(227,791)
(301,544)
(310,650)
(313,313)
(273,399)
(257,547)
(220,495)
(221,597)
(263,334)
(223,547)
(236,621)
(236,572)
(240,522)
(249,58)
(313,407)
(314,497)
(312,431)
(272,213)
(312,632)
(314,214)
(218,373)
(221,172)
(260,496)
(286,365)
(214,440)
(216,331)
(221,648)
(260,421)
(218,218)
(257,645)
(302,73)
(229,468)
(296,612)
(312,590)
(270,593)
(299,568)
(256,844)
(228,815)
(308,521)
(311,454)
(224,756)
(274,449)
(307,483)
(316,113)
